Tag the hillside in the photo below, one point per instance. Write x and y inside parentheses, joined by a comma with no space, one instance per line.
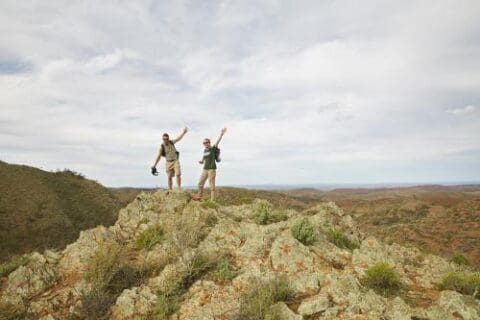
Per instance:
(40,209)
(444,220)
(168,257)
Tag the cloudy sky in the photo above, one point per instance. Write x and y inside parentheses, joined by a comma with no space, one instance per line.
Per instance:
(311,91)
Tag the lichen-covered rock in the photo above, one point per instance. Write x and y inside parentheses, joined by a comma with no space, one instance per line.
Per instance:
(457,304)
(314,305)
(397,309)
(77,255)
(207,300)
(305,283)
(290,256)
(134,304)
(280,311)
(26,281)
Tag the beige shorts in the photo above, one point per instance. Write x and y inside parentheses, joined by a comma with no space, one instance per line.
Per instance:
(173,168)
(210,175)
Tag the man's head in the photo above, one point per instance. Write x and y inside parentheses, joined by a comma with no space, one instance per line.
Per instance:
(206,143)
(165,138)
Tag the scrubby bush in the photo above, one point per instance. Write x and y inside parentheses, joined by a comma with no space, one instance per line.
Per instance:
(10,266)
(95,304)
(109,273)
(265,214)
(224,271)
(303,231)
(188,231)
(256,302)
(10,312)
(166,305)
(340,240)
(460,259)
(382,278)
(209,204)
(168,298)
(150,237)
(465,283)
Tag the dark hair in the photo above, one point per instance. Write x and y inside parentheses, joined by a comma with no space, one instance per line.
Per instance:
(165,135)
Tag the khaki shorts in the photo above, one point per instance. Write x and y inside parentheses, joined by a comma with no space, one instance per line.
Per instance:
(210,175)
(173,168)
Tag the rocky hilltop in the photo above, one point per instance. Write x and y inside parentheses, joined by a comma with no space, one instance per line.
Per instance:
(167,257)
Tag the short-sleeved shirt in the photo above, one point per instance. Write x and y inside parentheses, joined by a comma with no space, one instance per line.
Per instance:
(170,151)
(209,158)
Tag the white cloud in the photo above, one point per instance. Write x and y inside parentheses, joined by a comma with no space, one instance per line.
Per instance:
(318,92)
(462,110)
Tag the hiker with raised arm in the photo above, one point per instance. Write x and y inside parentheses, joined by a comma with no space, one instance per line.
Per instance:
(171,155)
(211,155)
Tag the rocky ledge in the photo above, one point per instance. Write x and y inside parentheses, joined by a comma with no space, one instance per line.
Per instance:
(168,257)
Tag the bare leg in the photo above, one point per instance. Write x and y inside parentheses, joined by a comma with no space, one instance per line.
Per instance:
(179,182)
(170,181)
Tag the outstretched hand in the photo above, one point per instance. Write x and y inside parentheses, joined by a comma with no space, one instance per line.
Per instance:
(223,131)
(185,130)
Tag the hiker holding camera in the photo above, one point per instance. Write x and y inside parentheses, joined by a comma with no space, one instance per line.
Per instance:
(172,164)
(211,155)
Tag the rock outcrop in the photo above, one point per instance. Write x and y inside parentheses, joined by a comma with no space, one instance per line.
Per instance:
(204,260)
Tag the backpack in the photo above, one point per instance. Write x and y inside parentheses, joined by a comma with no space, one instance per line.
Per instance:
(164,154)
(217,155)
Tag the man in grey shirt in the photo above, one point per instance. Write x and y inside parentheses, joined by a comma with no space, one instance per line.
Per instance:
(172,163)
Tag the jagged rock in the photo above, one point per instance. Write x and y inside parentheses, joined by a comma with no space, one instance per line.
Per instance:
(280,311)
(77,255)
(457,304)
(397,309)
(305,283)
(432,270)
(290,256)
(207,300)
(134,304)
(29,280)
(314,305)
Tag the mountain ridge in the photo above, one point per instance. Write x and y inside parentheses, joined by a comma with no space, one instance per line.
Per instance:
(198,260)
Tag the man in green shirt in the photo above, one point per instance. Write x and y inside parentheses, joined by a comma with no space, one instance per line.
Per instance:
(172,164)
(209,166)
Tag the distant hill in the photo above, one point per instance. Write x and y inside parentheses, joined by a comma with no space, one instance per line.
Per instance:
(40,209)
(444,220)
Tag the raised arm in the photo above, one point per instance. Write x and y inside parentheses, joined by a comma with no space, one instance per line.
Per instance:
(185,130)
(221,136)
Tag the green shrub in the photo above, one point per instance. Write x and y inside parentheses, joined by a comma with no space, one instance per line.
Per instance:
(150,237)
(382,278)
(209,204)
(303,231)
(109,273)
(465,283)
(166,305)
(256,302)
(460,259)
(10,266)
(224,271)
(265,214)
(340,240)
(198,266)
(103,265)
(168,299)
